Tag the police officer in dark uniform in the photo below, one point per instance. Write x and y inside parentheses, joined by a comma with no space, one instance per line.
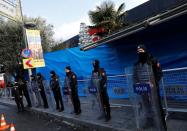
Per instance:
(145,58)
(54,84)
(104,99)
(25,92)
(41,89)
(73,86)
(18,95)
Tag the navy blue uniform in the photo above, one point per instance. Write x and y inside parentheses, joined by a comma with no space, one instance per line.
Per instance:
(72,82)
(26,93)
(139,76)
(103,91)
(18,95)
(42,91)
(54,84)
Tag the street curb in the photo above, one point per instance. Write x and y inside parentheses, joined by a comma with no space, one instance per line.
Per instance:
(71,121)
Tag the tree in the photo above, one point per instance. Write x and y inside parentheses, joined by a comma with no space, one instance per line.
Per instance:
(11,40)
(10,43)
(46,31)
(107,16)
(57,47)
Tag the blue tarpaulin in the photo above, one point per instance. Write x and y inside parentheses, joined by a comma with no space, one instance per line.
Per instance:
(171,54)
(114,59)
(167,42)
(81,62)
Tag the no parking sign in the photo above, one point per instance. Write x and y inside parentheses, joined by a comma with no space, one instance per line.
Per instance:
(26,53)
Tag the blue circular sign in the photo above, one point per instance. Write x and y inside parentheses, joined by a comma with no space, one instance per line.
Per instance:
(26,53)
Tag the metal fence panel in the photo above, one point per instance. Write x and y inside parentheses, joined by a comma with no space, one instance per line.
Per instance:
(34,96)
(49,95)
(175,85)
(173,91)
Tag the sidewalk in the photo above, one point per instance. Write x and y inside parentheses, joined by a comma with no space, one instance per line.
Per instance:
(122,118)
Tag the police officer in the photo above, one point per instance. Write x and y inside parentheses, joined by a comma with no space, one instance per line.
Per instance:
(18,94)
(54,84)
(41,89)
(145,58)
(25,92)
(73,86)
(104,99)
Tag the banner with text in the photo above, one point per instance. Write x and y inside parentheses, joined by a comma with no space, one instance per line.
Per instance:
(34,44)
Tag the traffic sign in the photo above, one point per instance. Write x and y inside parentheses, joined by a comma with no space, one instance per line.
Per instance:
(26,53)
(28,63)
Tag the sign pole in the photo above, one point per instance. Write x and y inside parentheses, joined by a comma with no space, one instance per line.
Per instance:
(24,33)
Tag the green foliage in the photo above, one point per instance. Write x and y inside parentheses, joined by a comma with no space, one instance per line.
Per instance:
(46,31)
(12,42)
(107,16)
(58,46)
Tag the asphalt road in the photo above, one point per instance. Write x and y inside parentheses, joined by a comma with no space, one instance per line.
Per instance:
(28,122)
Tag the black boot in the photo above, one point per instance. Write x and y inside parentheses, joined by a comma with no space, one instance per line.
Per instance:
(107,114)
